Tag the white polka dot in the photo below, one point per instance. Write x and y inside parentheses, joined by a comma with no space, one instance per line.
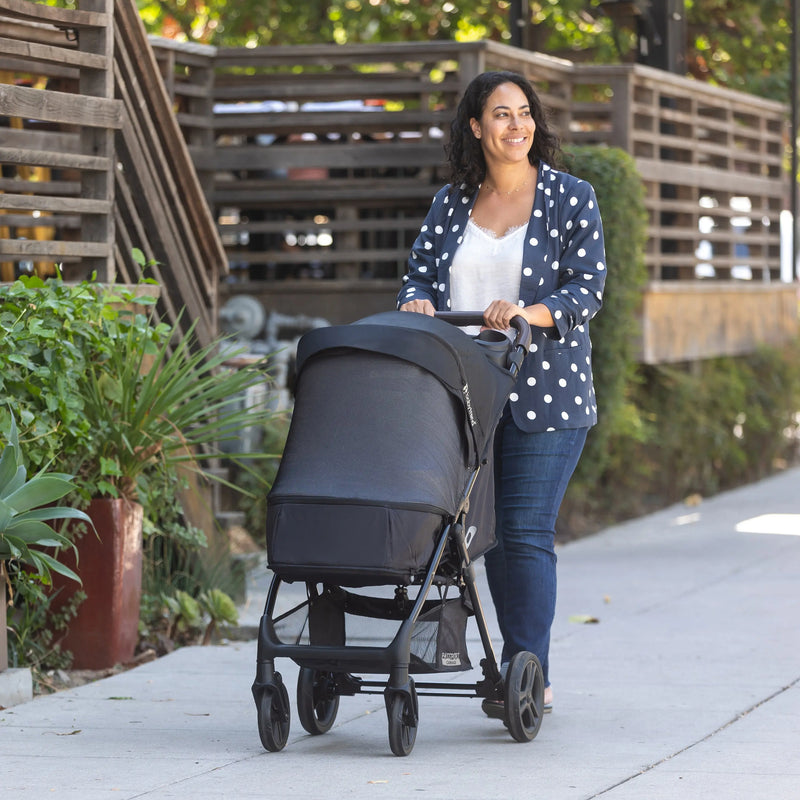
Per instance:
(531,415)
(557,315)
(423,269)
(581,252)
(564,415)
(562,382)
(554,233)
(533,241)
(531,381)
(545,365)
(548,398)
(578,400)
(573,201)
(527,272)
(438,229)
(513,397)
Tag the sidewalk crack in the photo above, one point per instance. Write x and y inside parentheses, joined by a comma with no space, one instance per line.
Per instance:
(707,737)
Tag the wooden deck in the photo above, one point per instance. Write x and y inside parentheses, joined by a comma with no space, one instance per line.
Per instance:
(303,173)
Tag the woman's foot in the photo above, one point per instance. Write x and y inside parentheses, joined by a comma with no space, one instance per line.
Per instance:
(548,699)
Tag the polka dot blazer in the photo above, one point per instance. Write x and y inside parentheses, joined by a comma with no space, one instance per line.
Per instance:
(563,266)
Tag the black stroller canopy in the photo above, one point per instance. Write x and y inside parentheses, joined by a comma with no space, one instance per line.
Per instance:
(457,361)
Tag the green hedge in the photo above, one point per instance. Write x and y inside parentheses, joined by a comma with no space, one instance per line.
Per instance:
(667,432)
(615,331)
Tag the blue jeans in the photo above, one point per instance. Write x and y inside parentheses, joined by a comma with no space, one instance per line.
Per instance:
(532,471)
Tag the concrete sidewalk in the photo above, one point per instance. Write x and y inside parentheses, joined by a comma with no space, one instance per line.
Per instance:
(687,686)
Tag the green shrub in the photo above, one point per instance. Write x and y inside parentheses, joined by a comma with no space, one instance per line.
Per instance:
(615,331)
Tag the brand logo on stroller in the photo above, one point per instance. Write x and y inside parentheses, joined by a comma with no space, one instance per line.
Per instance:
(451,659)
(468,403)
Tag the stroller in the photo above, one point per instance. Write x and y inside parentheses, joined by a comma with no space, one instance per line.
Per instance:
(383,499)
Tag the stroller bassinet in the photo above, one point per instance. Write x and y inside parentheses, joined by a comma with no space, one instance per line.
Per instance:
(393,415)
(385,477)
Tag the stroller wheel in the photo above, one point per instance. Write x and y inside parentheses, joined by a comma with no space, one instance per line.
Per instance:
(317,701)
(524,696)
(274,716)
(402,723)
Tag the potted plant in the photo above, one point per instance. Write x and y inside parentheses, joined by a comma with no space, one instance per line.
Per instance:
(26,511)
(127,405)
(157,409)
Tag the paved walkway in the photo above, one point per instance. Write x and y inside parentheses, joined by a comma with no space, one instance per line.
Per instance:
(687,686)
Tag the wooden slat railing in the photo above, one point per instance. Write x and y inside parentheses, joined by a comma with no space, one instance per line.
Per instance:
(93,162)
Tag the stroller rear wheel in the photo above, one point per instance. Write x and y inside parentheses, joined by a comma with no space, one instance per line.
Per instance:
(524,696)
(274,716)
(317,701)
(402,712)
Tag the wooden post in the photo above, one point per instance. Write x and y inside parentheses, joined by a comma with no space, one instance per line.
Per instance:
(99,141)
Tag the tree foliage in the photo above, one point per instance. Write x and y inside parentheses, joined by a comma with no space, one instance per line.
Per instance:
(742,44)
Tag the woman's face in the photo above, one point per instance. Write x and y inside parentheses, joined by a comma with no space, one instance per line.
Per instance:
(506,127)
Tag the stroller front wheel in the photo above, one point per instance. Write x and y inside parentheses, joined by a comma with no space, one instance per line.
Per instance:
(274,716)
(524,696)
(402,723)
(317,701)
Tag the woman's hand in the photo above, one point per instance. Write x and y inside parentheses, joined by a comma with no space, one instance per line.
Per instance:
(500,313)
(420,307)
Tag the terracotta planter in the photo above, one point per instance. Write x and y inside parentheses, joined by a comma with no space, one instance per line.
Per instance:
(106,629)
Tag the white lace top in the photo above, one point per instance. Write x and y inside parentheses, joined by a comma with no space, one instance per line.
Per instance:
(486,267)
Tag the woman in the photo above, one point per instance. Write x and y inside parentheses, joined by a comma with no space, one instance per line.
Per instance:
(532,246)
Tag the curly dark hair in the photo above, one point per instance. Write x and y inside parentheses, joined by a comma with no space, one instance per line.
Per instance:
(464,154)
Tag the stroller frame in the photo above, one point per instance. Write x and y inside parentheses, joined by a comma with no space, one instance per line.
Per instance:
(325,673)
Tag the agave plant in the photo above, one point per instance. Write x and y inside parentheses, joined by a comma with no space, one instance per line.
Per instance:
(26,509)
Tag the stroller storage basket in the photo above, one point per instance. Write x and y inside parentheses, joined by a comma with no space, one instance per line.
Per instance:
(439,638)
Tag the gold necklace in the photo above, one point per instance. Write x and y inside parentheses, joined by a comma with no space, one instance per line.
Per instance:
(509,193)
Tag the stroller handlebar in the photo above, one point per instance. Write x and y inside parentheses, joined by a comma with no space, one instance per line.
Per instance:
(520,325)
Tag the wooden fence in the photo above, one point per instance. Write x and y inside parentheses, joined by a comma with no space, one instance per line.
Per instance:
(93,163)
(319,164)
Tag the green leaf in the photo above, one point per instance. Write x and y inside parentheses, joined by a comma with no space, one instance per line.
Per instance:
(39,491)
(45,561)
(58,512)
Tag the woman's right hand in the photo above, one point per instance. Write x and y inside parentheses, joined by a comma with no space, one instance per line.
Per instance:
(419,306)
